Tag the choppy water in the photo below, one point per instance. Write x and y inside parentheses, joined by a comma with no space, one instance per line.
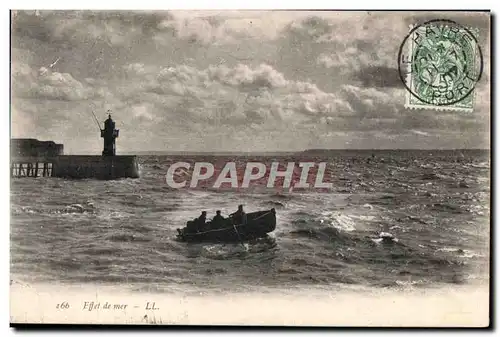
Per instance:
(436,205)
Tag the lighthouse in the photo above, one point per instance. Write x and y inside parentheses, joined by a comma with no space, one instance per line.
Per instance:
(110,133)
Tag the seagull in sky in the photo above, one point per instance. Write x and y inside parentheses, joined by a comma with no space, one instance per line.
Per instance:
(54,63)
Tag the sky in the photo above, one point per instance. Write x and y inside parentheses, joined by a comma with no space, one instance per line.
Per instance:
(230,81)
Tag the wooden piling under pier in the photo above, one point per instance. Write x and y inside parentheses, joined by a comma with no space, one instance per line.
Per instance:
(31,167)
(76,167)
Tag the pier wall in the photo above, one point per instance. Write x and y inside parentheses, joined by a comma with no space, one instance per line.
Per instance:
(95,167)
(34,158)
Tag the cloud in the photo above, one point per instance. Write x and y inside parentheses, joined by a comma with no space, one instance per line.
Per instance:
(312,27)
(46,84)
(378,76)
(239,94)
(204,30)
(360,46)
(347,60)
(69,28)
(243,95)
(248,79)
(220,28)
(142,111)
(372,102)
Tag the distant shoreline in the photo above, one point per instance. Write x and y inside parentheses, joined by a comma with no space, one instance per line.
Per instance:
(288,153)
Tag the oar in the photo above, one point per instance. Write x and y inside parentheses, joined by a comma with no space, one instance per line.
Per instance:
(239,237)
(238,234)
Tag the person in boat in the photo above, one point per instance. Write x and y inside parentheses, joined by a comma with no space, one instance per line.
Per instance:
(217,221)
(239,217)
(202,220)
(218,217)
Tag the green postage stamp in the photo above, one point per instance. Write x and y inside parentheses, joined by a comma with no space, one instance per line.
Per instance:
(440,63)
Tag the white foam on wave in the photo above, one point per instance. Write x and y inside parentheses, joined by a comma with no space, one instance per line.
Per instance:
(385,237)
(448,249)
(223,251)
(362,217)
(410,283)
(114,215)
(483,164)
(461,252)
(351,219)
(338,220)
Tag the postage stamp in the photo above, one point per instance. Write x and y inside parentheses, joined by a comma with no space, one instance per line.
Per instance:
(440,63)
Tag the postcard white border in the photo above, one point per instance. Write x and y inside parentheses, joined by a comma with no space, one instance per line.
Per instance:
(185,4)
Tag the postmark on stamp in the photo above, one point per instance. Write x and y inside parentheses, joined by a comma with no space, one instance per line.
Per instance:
(439,63)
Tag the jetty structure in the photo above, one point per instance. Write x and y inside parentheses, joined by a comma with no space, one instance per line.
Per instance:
(35,158)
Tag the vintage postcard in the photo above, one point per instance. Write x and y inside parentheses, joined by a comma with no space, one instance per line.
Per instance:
(253,168)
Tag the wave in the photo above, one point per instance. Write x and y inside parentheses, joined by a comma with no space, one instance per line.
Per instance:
(127,237)
(433,176)
(275,204)
(230,251)
(69,209)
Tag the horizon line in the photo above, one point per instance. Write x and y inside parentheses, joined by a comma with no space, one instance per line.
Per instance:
(307,150)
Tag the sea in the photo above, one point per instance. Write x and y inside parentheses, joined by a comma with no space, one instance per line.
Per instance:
(435,206)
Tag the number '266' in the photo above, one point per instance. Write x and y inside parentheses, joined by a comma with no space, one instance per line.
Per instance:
(63,305)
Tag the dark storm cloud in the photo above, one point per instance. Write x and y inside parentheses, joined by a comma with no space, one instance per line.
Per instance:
(149,22)
(87,43)
(479,20)
(73,26)
(438,120)
(378,77)
(28,24)
(312,27)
